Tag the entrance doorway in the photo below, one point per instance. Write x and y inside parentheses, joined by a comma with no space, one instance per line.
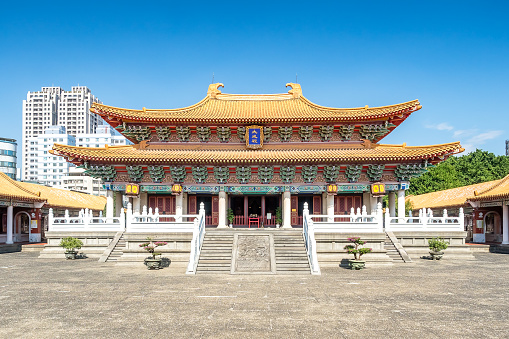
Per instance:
(207,203)
(254,207)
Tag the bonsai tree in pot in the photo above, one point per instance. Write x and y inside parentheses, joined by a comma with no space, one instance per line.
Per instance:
(279,220)
(358,252)
(436,247)
(153,263)
(230,216)
(71,246)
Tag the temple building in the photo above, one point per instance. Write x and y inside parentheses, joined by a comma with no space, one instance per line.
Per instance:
(258,157)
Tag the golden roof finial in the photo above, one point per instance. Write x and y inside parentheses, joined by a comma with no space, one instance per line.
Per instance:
(214,89)
(296,89)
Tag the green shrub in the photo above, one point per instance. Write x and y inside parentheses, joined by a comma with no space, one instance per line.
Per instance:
(437,244)
(71,244)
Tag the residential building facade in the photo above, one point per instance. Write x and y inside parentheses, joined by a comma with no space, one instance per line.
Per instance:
(8,157)
(54,106)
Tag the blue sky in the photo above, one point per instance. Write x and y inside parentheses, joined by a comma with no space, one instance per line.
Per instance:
(451,55)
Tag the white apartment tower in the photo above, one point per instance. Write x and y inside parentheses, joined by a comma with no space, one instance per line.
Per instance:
(54,106)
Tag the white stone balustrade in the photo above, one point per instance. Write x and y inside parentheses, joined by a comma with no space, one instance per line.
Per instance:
(426,222)
(85,222)
(357,221)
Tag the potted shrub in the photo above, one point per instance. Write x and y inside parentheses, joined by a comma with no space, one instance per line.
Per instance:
(279,220)
(436,247)
(153,263)
(230,216)
(71,246)
(358,252)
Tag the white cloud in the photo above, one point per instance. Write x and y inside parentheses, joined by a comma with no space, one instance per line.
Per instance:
(481,138)
(443,126)
(464,132)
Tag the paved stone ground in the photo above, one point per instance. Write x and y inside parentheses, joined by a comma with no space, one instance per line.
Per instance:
(86,299)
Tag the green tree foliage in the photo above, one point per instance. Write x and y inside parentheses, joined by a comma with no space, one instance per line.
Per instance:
(476,167)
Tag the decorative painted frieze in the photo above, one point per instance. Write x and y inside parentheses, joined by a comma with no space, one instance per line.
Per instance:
(267,133)
(203,133)
(221,174)
(330,173)
(106,173)
(241,133)
(353,172)
(309,173)
(374,131)
(156,173)
(287,174)
(325,132)
(163,133)
(139,133)
(346,131)
(224,133)
(178,173)
(375,172)
(243,174)
(183,133)
(265,174)
(407,171)
(200,174)
(135,172)
(305,132)
(285,133)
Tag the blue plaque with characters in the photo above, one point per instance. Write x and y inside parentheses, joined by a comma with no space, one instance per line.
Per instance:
(254,137)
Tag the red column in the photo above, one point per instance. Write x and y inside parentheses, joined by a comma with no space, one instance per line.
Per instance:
(246,210)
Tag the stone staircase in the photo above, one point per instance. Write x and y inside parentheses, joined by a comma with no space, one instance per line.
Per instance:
(117,250)
(392,252)
(216,252)
(290,251)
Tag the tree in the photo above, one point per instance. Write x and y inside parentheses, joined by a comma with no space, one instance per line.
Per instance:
(476,167)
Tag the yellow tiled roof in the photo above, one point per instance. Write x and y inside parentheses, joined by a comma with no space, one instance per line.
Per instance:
(11,189)
(53,197)
(499,190)
(56,197)
(448,198)
(276,154)
(291,107)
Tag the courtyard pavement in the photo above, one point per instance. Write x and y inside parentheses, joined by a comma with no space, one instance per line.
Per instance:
(86,299)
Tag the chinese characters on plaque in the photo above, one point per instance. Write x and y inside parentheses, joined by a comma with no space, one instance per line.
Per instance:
(254,137)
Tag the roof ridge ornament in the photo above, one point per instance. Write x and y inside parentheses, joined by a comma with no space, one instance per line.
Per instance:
(214,89)
(296,90)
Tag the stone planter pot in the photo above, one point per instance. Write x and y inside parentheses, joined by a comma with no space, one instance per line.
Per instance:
(436,255)
(153,264)
(356,264)
(71,254)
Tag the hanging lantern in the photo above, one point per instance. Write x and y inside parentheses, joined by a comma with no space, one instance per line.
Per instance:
(132,189)
(176,189)
(332,189)
(378,189)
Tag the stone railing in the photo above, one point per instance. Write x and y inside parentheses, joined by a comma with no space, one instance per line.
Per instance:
(425,221)
(150,222)
(197,242)
(354,222)
(309,240)
(85,222)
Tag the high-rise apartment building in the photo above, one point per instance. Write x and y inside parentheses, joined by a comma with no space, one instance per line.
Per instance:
(8,157)
(54,106)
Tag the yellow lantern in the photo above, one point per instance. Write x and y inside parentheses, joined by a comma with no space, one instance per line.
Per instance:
(332,189)
(132,189)
(176,189)
(378,189)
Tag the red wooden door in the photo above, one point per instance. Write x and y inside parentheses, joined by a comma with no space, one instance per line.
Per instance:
(166,204)
(191,202)
(294,205)
(344,203)
(215,210)
(317,204)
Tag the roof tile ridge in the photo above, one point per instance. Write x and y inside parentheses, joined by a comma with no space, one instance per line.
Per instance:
(496,185)
(312,104)
(19,186)
(199,103)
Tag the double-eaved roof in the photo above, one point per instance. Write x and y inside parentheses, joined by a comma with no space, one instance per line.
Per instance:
(50,196)
(270,154)
(219,108)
